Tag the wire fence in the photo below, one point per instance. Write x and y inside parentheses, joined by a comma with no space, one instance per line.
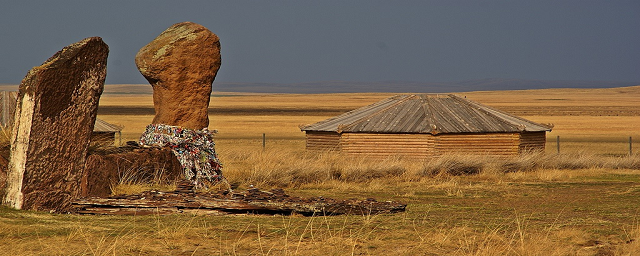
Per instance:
(614,146)
(560,144)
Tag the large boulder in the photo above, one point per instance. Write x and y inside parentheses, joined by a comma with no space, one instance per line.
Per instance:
(181,64)
(55,115)
(103,170)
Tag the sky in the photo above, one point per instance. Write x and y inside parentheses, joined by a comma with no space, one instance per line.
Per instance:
(355,40)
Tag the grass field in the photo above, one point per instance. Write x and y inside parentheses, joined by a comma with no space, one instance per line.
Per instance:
(598,121)
(581,202)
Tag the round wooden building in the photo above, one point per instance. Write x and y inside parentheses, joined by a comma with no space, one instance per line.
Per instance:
(426,125)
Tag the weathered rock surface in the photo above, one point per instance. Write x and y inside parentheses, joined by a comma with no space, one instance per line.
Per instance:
(4,163)
(181,64)
(57,106)
(151,165)
(3,171)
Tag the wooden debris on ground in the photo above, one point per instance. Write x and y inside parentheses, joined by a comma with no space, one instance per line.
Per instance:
(252,201)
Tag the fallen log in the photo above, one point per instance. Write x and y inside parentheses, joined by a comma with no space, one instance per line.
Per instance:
(251,201)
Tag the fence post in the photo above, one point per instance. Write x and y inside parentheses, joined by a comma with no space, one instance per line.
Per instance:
(264,141)
(630,146)
(558,143)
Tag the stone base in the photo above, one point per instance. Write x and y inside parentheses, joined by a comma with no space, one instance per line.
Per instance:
(105,169)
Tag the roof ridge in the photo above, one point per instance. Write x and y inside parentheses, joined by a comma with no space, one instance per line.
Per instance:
(351,112)
(434,122)
(100,122)
(362,119)
(499,119)
(490,113)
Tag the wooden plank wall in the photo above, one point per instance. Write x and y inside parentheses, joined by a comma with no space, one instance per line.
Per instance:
(532,141)
(323,140)
(497,144)
(385,145)
(8,102)
(427,145)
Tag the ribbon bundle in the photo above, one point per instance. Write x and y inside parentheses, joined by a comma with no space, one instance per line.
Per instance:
(194,149)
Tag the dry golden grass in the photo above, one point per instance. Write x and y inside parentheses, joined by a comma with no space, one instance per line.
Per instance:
(290,168)
(581,202)
(135,100)
(610,132)
(447,215)
(624,96)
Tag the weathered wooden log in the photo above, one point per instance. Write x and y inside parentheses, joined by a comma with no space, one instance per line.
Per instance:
(252,201)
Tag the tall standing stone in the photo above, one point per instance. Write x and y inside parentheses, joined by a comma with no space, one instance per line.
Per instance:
(57,107)
(181,64)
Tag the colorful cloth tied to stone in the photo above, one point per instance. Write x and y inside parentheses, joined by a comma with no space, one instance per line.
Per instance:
(194,149)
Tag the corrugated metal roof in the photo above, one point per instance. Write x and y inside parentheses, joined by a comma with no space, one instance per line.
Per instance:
(102,126)
(426,113)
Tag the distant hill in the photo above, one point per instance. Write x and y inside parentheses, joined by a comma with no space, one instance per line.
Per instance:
(489,84)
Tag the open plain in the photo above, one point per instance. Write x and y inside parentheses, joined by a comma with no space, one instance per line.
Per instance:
(581,200)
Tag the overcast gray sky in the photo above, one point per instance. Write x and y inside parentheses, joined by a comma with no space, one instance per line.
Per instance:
(355,40)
